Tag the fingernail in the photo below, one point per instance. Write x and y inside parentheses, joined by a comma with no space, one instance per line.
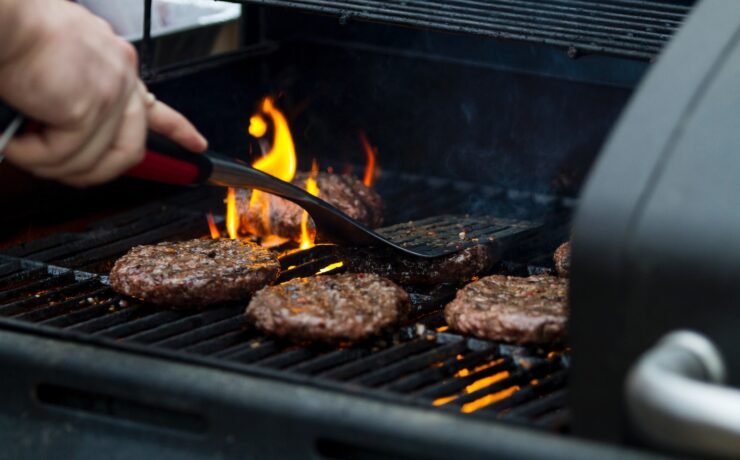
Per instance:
(203,141)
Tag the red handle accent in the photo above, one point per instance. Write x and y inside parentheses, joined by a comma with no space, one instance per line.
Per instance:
(166,169)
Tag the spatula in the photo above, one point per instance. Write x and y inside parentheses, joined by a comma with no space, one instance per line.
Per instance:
(170,163)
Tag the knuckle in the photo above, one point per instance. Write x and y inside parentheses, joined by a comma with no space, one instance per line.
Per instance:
(128,52)
(76,112)
(109,92)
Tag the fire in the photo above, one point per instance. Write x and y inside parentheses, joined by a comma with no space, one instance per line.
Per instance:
(308,238)
(371,153)
(232,217)
(279,160)
(215,234)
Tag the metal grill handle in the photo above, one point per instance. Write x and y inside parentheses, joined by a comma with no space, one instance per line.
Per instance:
(674,397)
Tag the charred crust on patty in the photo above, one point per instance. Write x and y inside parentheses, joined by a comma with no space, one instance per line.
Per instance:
(531,310)
(332,308)
(194,273)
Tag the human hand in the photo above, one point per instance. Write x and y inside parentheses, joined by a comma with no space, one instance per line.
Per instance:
(66,69)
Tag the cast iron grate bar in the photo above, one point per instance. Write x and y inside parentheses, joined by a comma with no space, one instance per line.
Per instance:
(75,303)
(253,351)
(208,331)
(634,29)
(187,323)
(287,358)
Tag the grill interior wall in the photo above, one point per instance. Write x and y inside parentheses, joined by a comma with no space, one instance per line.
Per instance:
(459,120)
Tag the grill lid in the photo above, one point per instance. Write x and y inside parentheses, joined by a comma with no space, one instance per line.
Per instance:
(628,28)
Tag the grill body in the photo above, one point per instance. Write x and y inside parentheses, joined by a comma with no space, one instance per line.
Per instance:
(664,250)
(508,128)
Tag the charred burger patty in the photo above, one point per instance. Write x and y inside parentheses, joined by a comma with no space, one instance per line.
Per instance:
(530,310)
(456,268)
(193,274)
(562,260)
(332,308)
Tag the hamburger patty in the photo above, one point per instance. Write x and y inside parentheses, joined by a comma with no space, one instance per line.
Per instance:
(195,273)
(532,310)
(346,193)
(562,259)
(331,308)
(456,268)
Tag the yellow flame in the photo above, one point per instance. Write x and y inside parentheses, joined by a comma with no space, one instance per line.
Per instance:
(257,126)
(280,161)
(331,267)
(215,234)
(232,217)
(307,239)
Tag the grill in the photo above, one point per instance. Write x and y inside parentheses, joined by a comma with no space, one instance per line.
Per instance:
(56,285)
(480,130)
(634,29)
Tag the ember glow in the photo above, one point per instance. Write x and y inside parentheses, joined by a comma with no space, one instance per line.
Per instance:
(371,153)
(489,399)
(478,385)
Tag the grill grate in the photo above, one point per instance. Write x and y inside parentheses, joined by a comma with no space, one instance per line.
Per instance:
(415,365)
(630,28)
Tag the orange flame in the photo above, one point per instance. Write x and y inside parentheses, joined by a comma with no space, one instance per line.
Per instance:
(371,153)
(215,234)
(280,161)
(307,238)
(232,217)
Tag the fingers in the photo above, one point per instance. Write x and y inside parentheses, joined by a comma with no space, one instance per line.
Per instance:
(116,145)
(126,151)
(165,120)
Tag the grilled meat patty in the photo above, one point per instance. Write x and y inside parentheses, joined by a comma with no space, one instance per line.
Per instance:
(532,310)
(346,193)
(562,259)
(456,268)
(331,308)
(195,273)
